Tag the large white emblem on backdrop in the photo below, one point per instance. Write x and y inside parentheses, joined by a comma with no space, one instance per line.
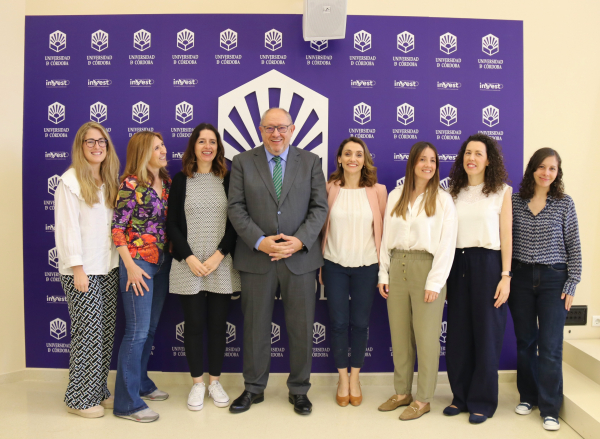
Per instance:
(230,333)
(406,42)
(99,40)
(53,257)
(318,333)
(362,113)
(140,112)
(273,40)
(53,184)
(184,112)
(179,331)
(228,39)
(185,39)
(445,183)
(58,329)
(58,41)
(443,333)
(98,112)
(448,43)
(275,332)
(237,100)
(142,40)
(400,181)
(490,44)
(405,114)
(319,45)
(362,41)
(491,116)
(448,115)
(56,112)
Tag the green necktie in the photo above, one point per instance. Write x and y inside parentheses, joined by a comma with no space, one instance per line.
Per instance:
(277,175)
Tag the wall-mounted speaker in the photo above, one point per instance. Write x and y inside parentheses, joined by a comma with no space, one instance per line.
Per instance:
(324,19)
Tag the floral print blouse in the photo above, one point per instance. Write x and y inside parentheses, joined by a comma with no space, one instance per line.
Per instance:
(139,220)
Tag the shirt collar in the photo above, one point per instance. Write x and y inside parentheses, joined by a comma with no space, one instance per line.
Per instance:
(283,155)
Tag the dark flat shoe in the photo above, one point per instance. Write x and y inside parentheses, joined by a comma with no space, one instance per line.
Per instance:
(452,411)
(245,400)
(302,404)
(477,419)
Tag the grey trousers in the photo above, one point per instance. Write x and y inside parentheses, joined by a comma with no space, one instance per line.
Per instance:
(298,293)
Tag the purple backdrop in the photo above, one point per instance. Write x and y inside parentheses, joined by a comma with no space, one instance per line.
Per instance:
(392,80)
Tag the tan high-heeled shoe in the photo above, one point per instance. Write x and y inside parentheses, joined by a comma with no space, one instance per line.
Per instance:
(342,400)
(356,400)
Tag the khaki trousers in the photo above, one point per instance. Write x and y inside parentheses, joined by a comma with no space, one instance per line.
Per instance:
(414,323)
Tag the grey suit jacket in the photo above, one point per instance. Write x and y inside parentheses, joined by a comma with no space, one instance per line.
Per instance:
(255,211)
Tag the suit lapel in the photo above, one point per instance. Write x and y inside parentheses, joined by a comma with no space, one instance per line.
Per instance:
(291,169)
(260,160)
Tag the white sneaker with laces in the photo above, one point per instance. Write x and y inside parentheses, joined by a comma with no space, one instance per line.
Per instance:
(551,423)
(195,400)
(524,408)
(218,394)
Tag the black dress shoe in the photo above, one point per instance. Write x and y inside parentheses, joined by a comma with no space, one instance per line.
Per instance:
(302,404)
(245,400)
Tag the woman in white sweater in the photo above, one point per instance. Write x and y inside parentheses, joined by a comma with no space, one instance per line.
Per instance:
(417,249)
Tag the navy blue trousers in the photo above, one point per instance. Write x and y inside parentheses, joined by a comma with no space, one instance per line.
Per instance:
(475,330)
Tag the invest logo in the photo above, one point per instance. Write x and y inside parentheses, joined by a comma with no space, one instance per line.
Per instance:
(53,257)
(490,44)
(318,333)
(98,112)
(185,39)
(140,112)
(405,114)
(401,156)
(448,115)
(228,39)
(141,82)
(362,41)
(58,329)
(99,83)
(490,86)
(406,84)
(56,112)
(406,42)
(179,331)
(184,112)
(448,43)
(362,113)
(319,45)
(56,155)
(177,155)
(275,332)
(362,83)
(447,157)
(448,85)
(189,82)
(273,40)
(491,116)
(58,41)
(230,333)
(100,40)
(53,184)
(57,83)
(142,40)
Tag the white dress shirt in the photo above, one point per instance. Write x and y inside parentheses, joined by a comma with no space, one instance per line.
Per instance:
(82,233)
(435,234)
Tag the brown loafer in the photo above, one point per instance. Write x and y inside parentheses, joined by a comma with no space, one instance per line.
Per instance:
(342,400)
(393,403)
(413,412)
(356,400)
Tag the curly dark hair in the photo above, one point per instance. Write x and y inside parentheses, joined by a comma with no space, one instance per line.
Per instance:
(188,162)
(527,188)
(495,174)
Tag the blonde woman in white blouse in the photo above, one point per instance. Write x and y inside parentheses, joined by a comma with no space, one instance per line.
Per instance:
(479,283)
(88,265)
(417,249)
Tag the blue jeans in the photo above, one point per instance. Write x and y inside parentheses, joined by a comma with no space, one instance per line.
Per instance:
(539,316)
(141,318)
(360,284)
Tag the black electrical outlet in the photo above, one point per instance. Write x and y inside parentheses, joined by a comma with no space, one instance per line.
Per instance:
(577,316)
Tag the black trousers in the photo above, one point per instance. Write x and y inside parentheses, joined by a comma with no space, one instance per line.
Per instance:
(211,308)
(475,329)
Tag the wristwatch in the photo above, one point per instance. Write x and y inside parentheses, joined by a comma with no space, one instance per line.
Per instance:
(507,273)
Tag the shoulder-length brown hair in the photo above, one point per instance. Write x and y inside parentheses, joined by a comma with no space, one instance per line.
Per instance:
(189,165)
(139,153)
(109,168)
(495,174)
(431,190)
(527,188)
(368,173)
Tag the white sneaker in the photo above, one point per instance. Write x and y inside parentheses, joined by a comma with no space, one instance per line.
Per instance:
(195,400)
(524,408)
(218,394)
(551,423)
(157,395)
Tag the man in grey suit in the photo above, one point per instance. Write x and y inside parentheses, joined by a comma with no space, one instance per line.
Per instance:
(277,205)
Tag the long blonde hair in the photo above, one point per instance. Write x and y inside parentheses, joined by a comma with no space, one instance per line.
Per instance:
(139,153)
(431,190)
(109,168)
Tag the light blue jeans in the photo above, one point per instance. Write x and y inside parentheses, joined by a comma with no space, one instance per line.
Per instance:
(141,318)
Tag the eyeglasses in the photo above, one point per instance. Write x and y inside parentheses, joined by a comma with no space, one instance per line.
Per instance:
(91,142)
(281,128)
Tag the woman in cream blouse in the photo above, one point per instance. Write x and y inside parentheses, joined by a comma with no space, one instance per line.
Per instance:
(351,240)
(417,249)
